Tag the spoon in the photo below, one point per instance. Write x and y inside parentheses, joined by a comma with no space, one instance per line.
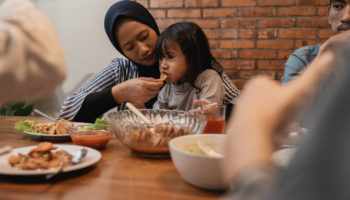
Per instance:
(138,113)
(78,158)
(207,150)
(5,149)
(52,119)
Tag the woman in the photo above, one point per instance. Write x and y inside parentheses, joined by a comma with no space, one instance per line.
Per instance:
(135,79)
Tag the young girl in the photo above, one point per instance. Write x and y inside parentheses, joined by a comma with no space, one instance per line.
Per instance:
(192,72)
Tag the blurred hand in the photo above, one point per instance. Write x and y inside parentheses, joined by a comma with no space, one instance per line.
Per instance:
(265,108)
(137,91)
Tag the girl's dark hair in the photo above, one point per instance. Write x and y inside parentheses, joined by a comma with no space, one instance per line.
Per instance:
(194,45)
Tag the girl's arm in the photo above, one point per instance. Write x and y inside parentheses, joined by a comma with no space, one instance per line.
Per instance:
(211,87)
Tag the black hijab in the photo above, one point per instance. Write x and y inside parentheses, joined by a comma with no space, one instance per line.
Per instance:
(129,9)
(136,11)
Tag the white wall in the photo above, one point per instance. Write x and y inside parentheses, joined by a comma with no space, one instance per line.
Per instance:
(80,25)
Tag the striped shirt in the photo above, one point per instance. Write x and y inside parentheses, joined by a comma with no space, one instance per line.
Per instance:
(118,71)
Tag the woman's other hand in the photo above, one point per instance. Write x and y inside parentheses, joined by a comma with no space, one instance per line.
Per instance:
(137,91)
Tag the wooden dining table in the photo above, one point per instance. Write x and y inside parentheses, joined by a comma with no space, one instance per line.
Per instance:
(118,175)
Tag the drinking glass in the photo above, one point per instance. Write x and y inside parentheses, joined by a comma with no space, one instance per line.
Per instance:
(216,118)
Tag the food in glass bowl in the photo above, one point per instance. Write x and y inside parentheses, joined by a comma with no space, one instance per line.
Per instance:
(153,138)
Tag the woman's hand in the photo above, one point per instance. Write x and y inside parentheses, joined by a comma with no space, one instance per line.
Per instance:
(137,91)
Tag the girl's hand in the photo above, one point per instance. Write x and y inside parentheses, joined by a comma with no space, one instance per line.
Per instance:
(137,91)
(198,103)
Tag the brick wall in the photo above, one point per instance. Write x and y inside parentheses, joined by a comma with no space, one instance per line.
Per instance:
(249,37)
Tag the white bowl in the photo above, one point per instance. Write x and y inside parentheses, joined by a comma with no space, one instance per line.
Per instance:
(198,169)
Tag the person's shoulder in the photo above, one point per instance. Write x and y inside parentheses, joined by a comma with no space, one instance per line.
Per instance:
(122,62)
(207,75)
(307,51)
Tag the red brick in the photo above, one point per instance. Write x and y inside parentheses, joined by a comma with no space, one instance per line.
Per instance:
(248,74)
(275,44)
(239,83)
(184,13)
(284,54)
(143,2)
(326,33)
(313,22)
(257,54)
(213,44)
(323,11)
(164,23)
(157,13)
(257,34)
(277,2)
(301,43)
(201,3)
(277,23)
(238,64)
(233,74)
(221,33)
(237,44)
(238,3)
(297,11)
(298,33)
(166,3)
(313,2)
(257,12)
(219,12)
(218,53)
(205,23)
(271,64)
(238,23)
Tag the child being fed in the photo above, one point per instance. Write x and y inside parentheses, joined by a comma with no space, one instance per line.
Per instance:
(190,70)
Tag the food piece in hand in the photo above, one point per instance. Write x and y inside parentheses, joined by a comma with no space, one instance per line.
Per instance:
(163,77)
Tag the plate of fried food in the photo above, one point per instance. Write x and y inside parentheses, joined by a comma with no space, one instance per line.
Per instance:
(45,158)
(51,131)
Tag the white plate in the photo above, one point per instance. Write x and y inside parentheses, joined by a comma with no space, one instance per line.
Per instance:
(282,157)
(52,138)
(92,157)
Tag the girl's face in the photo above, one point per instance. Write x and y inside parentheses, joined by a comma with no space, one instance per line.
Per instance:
(137,41)
(173,63)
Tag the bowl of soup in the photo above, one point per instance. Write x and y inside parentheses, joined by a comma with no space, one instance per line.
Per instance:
(91,136)
(196,167)
(152,138)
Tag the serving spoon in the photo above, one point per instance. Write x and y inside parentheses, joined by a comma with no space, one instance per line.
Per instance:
(207,150)
(53,119)
(138,113)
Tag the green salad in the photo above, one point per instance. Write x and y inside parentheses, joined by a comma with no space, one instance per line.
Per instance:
(100,123)
(25,125)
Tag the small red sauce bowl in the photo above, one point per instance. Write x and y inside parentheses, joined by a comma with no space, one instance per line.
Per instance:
(91,138)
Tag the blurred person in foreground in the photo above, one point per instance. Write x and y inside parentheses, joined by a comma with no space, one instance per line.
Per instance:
(320,168)
(32,63)
(339,19)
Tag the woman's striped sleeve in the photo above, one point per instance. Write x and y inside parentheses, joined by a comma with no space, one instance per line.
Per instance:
(104,79)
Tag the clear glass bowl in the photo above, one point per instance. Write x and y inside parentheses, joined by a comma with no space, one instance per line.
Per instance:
(153,138)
